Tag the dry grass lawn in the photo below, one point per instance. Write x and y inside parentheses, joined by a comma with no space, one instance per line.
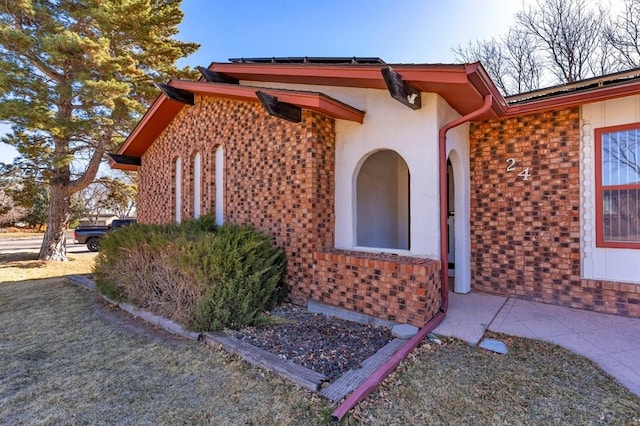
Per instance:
(24,265)
(67,358)
(12,233)
(535,383)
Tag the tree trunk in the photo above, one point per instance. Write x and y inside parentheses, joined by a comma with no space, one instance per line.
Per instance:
(54,244)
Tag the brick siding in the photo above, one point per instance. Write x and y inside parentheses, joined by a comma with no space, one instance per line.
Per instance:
(525,234)
(279,178)
(397,288)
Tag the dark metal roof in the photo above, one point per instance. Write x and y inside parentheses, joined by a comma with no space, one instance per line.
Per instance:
(575,87)
(309,60)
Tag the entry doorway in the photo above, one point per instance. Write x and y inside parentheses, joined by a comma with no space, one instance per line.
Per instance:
(451,205)
(458,223)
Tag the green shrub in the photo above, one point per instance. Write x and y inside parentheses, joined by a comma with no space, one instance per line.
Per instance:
(205,277)
(125,254)
(244,277)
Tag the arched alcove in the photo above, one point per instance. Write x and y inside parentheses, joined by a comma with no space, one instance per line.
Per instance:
(382,202)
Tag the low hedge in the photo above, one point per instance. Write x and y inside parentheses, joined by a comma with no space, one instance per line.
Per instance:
(203,276)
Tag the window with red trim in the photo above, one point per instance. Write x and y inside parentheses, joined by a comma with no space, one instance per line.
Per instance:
(618,186)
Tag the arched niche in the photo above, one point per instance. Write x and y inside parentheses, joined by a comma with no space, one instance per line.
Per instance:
(382,202)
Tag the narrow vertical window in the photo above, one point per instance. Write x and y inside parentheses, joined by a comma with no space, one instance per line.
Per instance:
(618,186)
(219,185)
(197,181)
(178,190)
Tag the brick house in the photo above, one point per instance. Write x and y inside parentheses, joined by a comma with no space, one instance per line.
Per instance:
(385,185)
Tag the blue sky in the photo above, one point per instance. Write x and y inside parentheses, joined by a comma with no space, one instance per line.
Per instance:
(401,31)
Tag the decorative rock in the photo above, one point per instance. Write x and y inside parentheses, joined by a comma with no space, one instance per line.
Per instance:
(494,345)
(404,331)
(433,339)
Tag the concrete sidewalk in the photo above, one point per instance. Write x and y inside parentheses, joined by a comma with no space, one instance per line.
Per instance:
(611,341)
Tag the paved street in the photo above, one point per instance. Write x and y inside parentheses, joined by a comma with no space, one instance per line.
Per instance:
(33,243)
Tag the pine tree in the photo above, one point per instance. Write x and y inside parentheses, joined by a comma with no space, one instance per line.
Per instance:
(75,76)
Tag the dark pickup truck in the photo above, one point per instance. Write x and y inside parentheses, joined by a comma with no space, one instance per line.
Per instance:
(90,235)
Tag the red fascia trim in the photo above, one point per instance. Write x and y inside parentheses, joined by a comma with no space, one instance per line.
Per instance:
(370,76)
(471,80)
(481,80)
(569,100)
(161,102)
(436,75)
(298,70)
(119,166)
(600,188)
(310,100)
(321,103)
(150,126)
(364,73)
(232,91)
(153,122)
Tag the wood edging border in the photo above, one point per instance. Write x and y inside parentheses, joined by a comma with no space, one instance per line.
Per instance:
(301,376)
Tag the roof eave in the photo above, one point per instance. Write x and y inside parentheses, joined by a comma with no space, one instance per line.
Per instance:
(481,80)
(575,99)
(163,110)
(464,86)
(147,129)
(460,81)
(368,75)
(309,100)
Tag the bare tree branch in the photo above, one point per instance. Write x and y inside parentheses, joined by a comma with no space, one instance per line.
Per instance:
(569,32)
(490,53)
(524,62)
(622,35)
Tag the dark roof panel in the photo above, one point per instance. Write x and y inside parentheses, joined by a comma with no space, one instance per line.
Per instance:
(575,87)
(309,60)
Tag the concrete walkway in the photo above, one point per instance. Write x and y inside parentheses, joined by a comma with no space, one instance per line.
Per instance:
(611,341)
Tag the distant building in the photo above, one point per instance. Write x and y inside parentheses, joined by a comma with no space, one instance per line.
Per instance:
(100,220)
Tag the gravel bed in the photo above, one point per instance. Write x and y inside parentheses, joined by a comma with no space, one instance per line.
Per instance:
(324,344)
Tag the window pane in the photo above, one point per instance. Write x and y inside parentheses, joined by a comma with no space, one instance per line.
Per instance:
(621,157)
(621,215)
(219,182)
(197,182)
(178,191)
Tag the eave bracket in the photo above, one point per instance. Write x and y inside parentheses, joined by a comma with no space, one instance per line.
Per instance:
(177,95)
(400,90)
(279,109)
(125,159)
(216,77)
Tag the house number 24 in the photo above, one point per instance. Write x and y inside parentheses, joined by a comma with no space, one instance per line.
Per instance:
(512,168)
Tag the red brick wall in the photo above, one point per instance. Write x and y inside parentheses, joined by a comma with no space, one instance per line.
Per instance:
(525,234)
(397,288)
(279,178)
(611,297)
